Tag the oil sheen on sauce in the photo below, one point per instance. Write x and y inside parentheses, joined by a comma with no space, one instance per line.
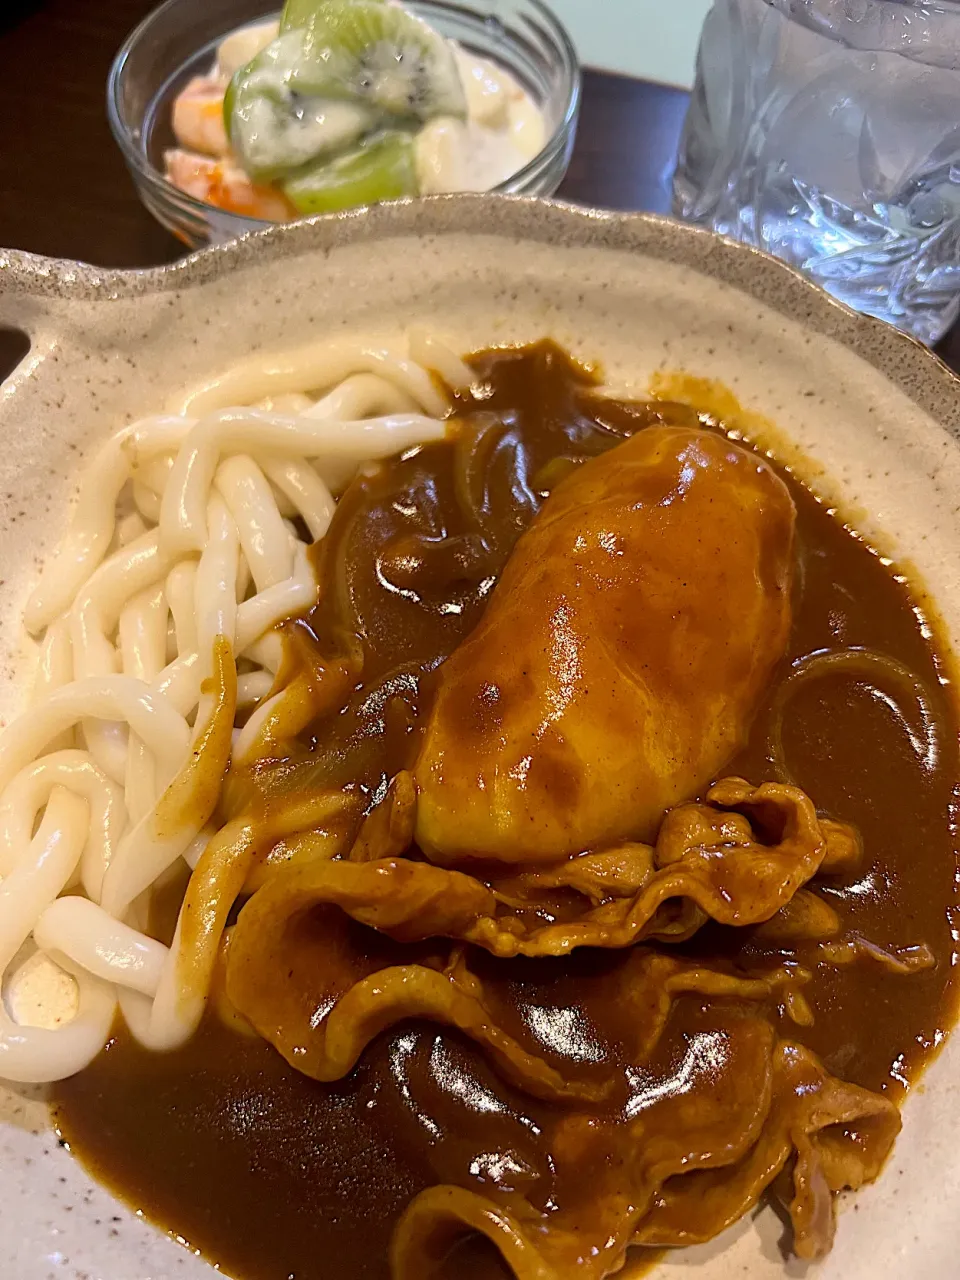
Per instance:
(272,1176)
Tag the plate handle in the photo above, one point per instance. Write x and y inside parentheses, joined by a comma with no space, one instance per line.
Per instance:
(34,293)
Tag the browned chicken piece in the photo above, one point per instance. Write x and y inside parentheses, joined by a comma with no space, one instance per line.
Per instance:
(621,658)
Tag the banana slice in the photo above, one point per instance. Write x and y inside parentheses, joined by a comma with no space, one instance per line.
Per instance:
(485,89)
(297,13)
(441,152)
(237,49)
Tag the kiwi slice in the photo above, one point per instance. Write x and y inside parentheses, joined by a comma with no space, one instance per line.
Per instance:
(382,168)
(381,55)
(272,127)
(298,13)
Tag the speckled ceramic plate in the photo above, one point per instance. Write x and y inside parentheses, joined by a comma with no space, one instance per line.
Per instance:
(876,414)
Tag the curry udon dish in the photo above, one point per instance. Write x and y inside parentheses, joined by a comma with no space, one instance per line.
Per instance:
(470,822)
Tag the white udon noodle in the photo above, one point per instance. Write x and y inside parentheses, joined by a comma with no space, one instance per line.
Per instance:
(183,532)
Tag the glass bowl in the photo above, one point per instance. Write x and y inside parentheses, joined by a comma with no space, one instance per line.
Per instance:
(178,40)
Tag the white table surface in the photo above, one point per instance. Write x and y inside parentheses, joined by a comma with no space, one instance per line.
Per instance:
(652,39)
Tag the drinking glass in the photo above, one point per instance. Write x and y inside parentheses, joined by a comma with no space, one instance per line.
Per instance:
(828,133)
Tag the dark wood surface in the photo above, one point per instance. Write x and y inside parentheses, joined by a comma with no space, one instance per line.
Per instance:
(64,190)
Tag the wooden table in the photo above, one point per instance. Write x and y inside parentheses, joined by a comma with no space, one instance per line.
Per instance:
(64,190)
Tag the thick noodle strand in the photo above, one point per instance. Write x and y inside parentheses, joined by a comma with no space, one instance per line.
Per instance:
(186,549)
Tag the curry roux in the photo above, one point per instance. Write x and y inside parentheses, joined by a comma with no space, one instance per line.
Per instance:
(272,1176)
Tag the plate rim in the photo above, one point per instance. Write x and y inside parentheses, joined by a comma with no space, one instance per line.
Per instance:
(36,290)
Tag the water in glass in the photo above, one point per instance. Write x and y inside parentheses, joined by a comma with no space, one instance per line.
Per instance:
(828,133)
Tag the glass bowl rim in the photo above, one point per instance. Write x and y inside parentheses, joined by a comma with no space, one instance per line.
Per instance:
(137,160)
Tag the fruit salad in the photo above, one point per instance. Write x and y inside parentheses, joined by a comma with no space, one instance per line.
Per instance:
(340,103)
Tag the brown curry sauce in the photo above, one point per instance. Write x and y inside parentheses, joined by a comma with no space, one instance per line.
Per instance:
(272,1175)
